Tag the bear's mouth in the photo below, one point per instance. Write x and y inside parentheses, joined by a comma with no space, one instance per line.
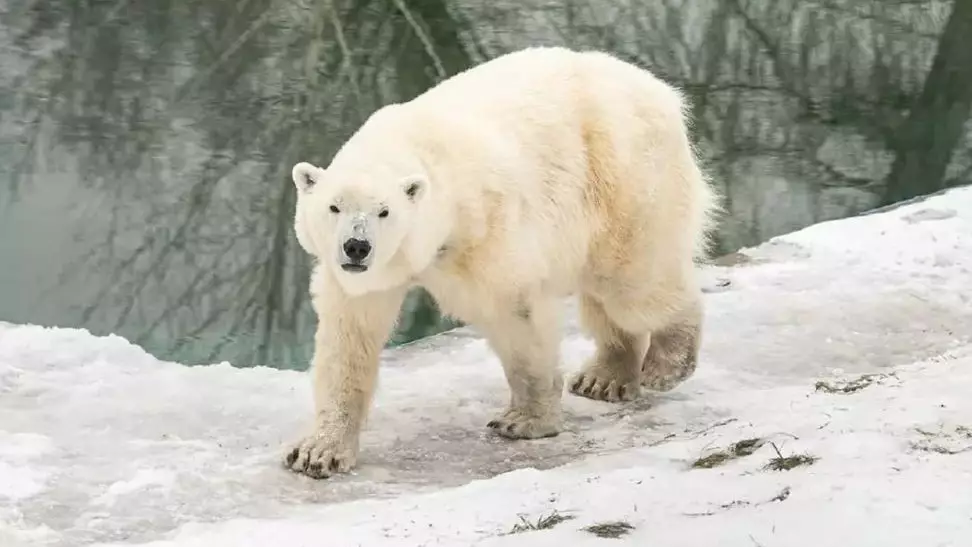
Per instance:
(353,267)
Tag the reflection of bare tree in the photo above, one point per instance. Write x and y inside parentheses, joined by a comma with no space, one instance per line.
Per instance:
(798,104)
(190,129)
(934,127)
(919,123)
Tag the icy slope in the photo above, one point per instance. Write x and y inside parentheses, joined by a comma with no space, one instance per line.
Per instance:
(101,443)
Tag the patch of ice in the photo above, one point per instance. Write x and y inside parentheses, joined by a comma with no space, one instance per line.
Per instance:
(20,482)
(144,479)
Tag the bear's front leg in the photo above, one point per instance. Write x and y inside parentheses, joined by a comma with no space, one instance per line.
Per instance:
(527,344)
(349,339)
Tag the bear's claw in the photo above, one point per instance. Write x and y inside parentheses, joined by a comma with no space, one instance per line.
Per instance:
(517,425)
(319,458)
(594,386)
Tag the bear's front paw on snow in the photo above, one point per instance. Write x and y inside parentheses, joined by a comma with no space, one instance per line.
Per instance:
(601,385)
(319,456)
(514,424)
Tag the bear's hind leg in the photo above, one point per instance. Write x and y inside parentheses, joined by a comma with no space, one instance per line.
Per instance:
(674,350)
(614,373)
(670,316)
(527,343)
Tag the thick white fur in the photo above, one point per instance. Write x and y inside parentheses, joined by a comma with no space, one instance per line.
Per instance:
(544,173)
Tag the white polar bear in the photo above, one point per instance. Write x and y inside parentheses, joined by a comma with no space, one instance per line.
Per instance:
(539,174)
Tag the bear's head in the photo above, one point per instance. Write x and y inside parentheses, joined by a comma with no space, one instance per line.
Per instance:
(360,222)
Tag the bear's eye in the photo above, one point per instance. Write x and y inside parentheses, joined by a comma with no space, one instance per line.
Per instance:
(334,209)
(383,213)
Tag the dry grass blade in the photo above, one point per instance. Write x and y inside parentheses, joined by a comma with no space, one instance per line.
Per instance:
(542,523)
(786,463)
(850,386)
(736,450)
(610,530)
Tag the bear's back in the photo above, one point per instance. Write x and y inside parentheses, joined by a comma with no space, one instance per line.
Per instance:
(550,157)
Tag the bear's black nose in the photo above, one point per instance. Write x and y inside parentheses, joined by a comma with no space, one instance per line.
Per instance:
(357,249)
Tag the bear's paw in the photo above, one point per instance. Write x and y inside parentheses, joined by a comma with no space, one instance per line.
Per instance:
(600,385)
(516,424)
(319,456)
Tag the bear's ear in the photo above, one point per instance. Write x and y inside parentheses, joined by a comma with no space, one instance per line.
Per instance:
(304,175)
(415,187)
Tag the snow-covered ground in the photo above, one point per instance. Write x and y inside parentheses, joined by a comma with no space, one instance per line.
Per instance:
(103,444)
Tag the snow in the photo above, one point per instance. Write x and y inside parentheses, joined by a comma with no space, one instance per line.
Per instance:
(102,444)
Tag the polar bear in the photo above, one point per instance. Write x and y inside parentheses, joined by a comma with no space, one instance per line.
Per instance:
(540,174)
